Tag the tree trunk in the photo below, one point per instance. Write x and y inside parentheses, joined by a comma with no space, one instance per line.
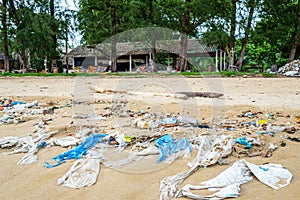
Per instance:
(66,41)
(295,35)
(183,52)
(232,32)
(245,40)
(5,39)
(153,51)
(184,38)
(150,11)
(54,37)
(24,61)
(113,38)
(152,35)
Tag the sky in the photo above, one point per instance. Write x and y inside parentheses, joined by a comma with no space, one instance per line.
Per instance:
(70,5)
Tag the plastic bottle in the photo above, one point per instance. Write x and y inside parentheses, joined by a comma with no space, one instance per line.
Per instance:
(142,125)
(168,121)
(188,120)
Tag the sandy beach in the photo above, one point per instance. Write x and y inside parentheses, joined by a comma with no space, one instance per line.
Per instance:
(278,96)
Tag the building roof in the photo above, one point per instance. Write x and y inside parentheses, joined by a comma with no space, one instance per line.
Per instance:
(137,48)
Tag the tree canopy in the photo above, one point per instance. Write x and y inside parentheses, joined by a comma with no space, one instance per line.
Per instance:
(262,32)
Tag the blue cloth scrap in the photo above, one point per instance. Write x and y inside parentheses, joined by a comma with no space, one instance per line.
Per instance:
(243,141)
(169,146)
(78,151)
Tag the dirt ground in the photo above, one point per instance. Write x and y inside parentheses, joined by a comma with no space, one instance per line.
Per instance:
(277,96)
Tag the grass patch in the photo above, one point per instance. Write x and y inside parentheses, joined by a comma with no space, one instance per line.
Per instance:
(264,74)
(143,75)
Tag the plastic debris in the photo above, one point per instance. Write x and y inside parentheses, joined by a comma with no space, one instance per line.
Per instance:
(169,121)
(203,126)
(227,183)
(265,133)
(84,172)
(293,139)
(64,142)
(216,147)
(211,149)
(9,141)
(28,159)
(17,103)
(42,145)
(78,151)
(188,120)
(290,69)
(244,141)
(170,149)
(263,121)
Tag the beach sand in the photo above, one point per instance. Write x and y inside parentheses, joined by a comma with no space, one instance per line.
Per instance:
(147,94)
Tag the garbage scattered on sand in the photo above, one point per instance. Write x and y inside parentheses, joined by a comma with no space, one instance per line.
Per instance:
(165,137)
(290,69)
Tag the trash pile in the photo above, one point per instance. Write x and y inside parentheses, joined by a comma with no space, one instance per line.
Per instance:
(165,137)
(290,69)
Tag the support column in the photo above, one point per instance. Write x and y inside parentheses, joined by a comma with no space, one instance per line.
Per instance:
(221,52)
(130,63)
(224,67)
(96,61)
(216,60)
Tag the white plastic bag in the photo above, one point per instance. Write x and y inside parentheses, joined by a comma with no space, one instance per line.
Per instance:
(84,172)
(228,182)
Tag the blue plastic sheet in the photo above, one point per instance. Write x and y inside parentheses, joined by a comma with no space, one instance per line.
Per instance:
(243,141)
(78,151)
(169,146)
(17,102)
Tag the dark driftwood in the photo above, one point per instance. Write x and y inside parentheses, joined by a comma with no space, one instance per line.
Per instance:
(201,94)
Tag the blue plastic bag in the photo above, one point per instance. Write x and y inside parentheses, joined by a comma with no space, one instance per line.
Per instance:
(243,141)
(78,151)
(169,146)
(17,102)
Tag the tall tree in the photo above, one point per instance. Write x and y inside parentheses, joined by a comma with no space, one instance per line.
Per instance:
(5,34)
(31,30)
(251,4)
(185,26)
(295,35)
(187,17)
(278,27)
(232,31)
(54,34)
(113,19)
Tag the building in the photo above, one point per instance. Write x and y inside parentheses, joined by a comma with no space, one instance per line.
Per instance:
(131,53)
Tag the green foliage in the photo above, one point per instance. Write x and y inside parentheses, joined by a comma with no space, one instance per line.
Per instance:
(276,28)
(31,30)
(31,26)
(216,34)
